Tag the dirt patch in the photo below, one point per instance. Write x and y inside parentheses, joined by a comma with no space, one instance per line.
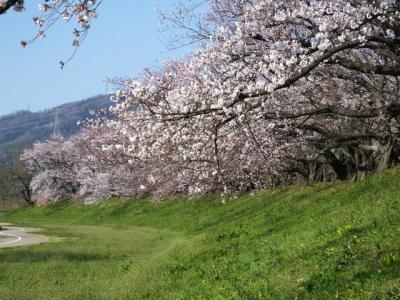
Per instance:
(20,236)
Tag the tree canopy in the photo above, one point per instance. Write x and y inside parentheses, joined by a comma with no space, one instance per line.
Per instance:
(281,92)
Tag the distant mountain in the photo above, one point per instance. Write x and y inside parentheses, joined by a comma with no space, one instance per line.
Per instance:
(23,128)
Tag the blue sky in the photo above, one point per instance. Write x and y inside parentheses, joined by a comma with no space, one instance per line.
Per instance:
(124,39)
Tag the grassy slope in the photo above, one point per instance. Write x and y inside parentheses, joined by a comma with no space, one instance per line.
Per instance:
(326,241)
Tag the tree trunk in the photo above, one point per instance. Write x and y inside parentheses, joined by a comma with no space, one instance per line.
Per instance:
(340,168)
(385,157)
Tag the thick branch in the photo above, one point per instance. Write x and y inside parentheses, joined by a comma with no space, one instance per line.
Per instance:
(342,137)
(393,110)
(288,82)
(344,112)
(368,68)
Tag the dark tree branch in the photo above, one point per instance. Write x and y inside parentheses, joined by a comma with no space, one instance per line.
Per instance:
(344,112)
(368,68)
(4,6)
(288,82)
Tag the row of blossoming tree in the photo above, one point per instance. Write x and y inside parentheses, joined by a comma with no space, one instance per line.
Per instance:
(282,91)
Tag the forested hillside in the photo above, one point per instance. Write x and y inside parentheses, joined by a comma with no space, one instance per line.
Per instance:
(21,129)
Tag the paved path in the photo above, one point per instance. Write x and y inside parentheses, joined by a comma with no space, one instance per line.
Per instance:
(18,236)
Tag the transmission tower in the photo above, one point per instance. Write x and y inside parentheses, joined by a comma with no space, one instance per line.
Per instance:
(56,123)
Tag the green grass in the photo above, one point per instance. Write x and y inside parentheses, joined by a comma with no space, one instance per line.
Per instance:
(328,241)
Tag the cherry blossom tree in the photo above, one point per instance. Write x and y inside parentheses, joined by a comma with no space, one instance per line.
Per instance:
(53,165)
(91,165)
(281,92)
(301,85)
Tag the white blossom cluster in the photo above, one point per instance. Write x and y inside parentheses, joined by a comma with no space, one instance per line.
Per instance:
(82,12)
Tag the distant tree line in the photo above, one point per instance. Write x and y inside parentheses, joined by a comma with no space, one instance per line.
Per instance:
(15,183)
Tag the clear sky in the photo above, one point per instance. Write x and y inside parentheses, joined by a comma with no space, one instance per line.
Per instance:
(124,39)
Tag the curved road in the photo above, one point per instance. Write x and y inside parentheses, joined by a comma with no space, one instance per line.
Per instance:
(17,236)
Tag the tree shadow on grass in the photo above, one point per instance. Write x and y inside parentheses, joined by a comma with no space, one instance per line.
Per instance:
(343,282)
(235,215)
(353,266)
(29,256)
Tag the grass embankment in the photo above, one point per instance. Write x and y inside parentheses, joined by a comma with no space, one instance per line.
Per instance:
(320,242)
